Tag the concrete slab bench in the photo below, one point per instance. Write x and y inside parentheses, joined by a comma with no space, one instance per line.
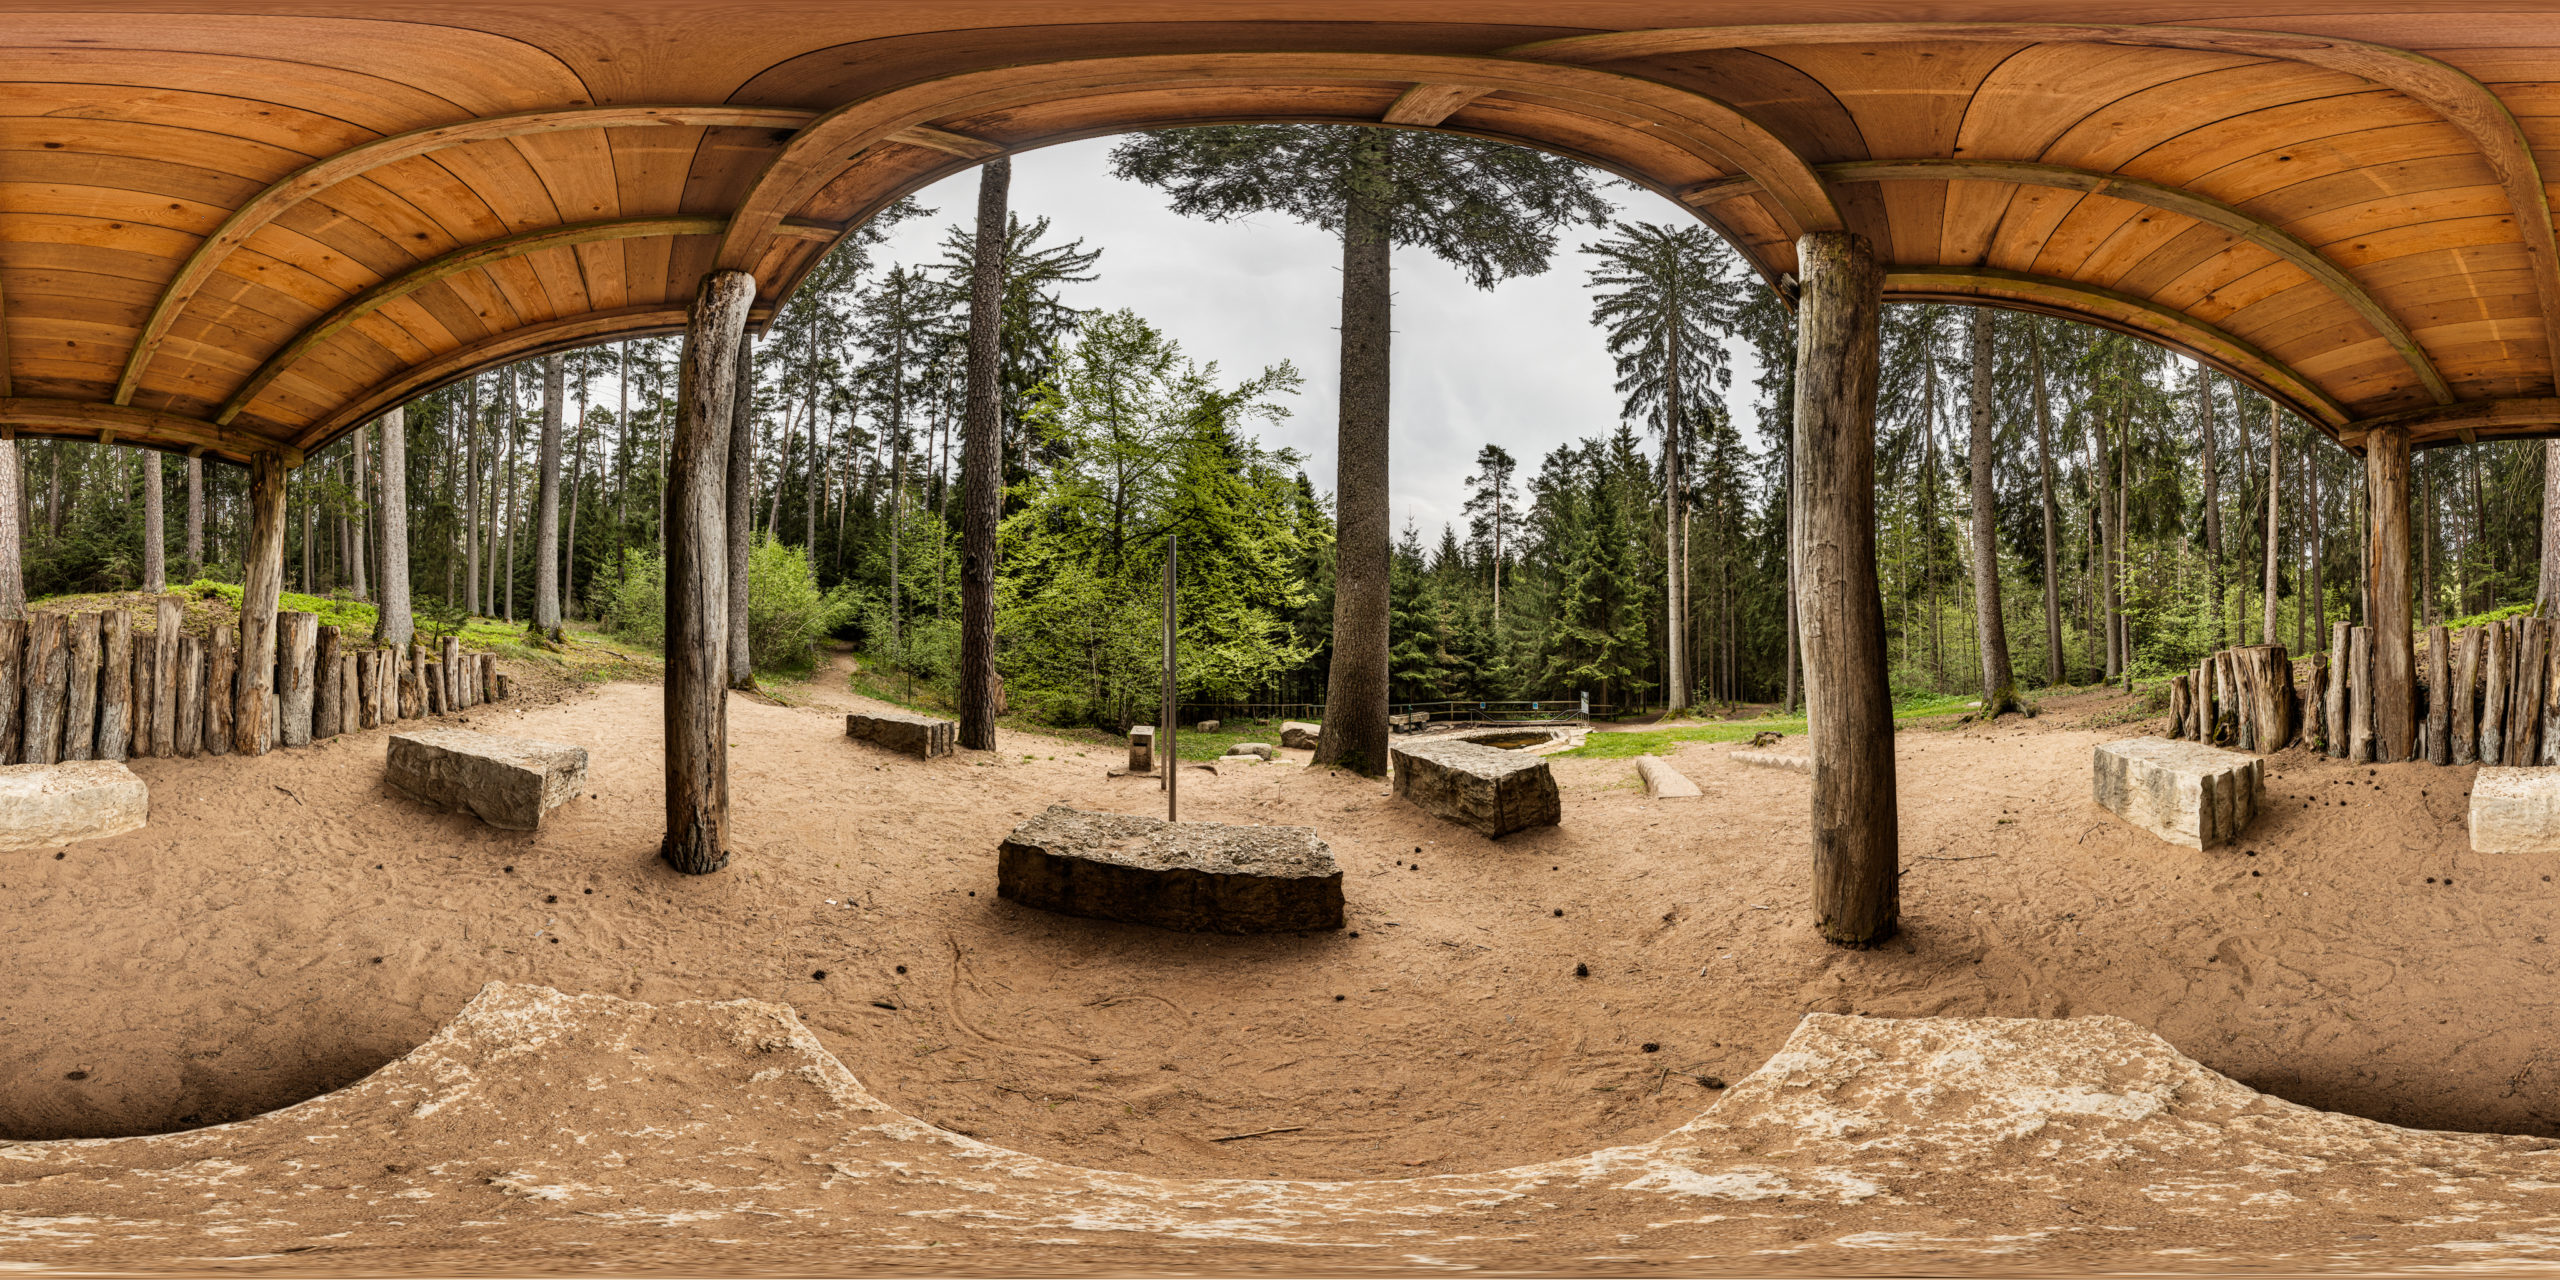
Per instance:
(46,806)
(2515,810)
(509,782)
(920,736)
(1489,790)
(2186,793)
(1662,782)
(1195,877)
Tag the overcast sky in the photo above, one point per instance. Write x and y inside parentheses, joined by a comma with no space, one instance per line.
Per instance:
(1519,366)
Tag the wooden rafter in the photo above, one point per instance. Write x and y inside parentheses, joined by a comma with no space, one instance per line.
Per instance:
(1720,133)
(468,258)
(143,428)
(1425,105)
(265,207)
(2453,95)
(2463,423)
(2203,209)
(2125,313)
(946,142)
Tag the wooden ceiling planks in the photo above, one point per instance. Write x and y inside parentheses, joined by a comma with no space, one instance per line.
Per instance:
(287,221)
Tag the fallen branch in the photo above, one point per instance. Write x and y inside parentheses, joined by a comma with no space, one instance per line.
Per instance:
(1293,1128)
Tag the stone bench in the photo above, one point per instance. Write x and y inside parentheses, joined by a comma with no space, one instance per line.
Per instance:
(2515,810)
(46,806)
(1662,782)
(2186,793)
(1196,877)
(1259,750)
(920,736)
(1487,789)
(508,782)
(1298,735)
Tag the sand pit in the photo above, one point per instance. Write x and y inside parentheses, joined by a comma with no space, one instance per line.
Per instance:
(287,924)
(544,1132)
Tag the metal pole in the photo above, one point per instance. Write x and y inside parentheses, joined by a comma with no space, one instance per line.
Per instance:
(1172,759)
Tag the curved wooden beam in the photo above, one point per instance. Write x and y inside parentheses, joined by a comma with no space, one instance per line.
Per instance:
(2276,240)
(515,344)
(141,428)
(2462,423)
(2123,313)
(2451,93)
(265,207)
(467,258)
(1728,137)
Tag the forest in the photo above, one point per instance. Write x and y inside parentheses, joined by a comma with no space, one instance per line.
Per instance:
(2098,507)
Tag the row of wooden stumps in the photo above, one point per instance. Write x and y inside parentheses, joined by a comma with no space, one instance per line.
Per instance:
(87,686)
(2242,698)
(2500,700)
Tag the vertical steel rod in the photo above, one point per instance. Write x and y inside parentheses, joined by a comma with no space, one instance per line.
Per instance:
(1172,760)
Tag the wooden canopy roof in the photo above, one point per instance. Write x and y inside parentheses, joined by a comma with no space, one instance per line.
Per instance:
(248,226)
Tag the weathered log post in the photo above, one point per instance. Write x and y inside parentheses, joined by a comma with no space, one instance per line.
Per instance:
(13,659)
(2549,728)
(1849,712)
(190,696)
(2266,684)
(298,633)
(170,618)
(2178,687)
(115,685)
(2360,703)
(2524,699)
(47,670)
(252,726)
(2493,698)
(328,714)
(451,647)
(350,699)
(368,692)
(492,688)
(139,746)
(2440,696)
(435,682)
(2316,730)
(2202,727)
(80,689)
(386,688)
(221,674)
(413,689)
(2464,703)
(697,577)
(2341,675)
(2386,484)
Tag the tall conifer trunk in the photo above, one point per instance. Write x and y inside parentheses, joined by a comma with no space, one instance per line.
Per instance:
(546,519)
(980,476)
(2056,671)
(155,547)
(1355,714)
(1999,682)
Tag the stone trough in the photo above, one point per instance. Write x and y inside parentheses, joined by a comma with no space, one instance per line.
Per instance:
(724,1138)
(1486,789)
(1195,877)
(47,806)
(920,736)
(2183,792)
(509,782)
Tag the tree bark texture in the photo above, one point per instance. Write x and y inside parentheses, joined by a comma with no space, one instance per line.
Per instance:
(981,475)
(195,515)
(2056,669)
(1355,703)
(47,670)
(221,674)
(739,526)
(155,547)
(115,686)
(252,725)
(13,506)
(80,692)
(2440,696)
(2464,700)
(1849,711)
(168,618)
(393,621)
(2275,490)
(2547,594)
(1999,679)
(298,635)
(2386,468)
(697,576)
(546,518)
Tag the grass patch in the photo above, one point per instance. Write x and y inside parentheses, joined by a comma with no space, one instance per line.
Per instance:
(1911,709)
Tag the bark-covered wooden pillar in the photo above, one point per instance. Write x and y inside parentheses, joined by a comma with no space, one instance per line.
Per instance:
(2395,702)
(1832,528)
(253,728)
(697,576)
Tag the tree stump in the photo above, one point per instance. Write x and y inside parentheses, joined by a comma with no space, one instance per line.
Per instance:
(328,712)
(297,638)
(190,696)
(2181,700)
(489,679)
(2493,696)
(2266,697)
(47,671)
(2524,701)
(80,689)
(2341,669)
(350,703)
(2360,695)
(368,695)
(436,685)
(13,657)
(221,663)
(115,685)
(2440,696)
(170,618)
(2315,723)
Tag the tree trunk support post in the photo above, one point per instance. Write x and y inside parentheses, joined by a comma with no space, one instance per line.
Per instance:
(1832,525)
(981,471)
(253,724)
(697,576)
(393,622)
(2395,706)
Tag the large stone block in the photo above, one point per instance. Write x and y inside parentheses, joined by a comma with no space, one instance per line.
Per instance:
(508,782)
(2515,810)
(2183,792)
(1298,735)
(920,736)
(1198,877)
(46,806)
(1662,782)
(1490,790)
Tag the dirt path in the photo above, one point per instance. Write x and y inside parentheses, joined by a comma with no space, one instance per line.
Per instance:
(285,925)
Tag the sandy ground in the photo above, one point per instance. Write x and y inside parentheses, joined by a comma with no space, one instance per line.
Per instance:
(286,925)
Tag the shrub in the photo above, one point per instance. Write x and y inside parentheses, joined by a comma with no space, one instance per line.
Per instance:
(786,613)
(634,607)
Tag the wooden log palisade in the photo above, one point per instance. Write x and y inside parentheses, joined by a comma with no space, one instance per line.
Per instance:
(2486,694)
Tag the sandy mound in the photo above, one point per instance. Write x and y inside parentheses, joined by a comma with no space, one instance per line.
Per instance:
(542,1131)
